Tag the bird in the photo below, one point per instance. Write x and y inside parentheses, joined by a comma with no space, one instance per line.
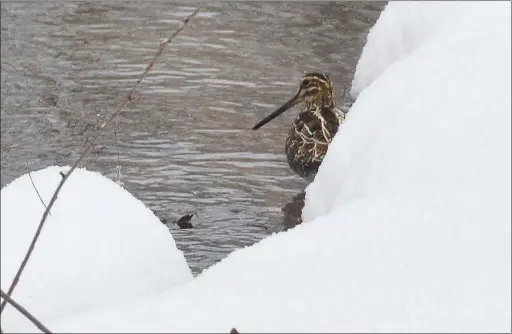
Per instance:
(314,128)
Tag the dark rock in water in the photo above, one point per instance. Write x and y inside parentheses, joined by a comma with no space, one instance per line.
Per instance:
(184,222)
(292,212)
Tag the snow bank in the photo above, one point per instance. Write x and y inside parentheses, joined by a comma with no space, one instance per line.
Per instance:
(408,221)
(365,273)
(435,122)
(99,245)
(402,28)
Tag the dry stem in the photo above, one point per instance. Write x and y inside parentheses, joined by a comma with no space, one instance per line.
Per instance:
(39,195)
(23,311)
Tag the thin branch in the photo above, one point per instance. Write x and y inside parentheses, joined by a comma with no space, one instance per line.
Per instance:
(118,167)
(128,97)
(39,195)
(24,311)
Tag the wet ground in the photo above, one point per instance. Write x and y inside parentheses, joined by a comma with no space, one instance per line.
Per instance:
(185,142)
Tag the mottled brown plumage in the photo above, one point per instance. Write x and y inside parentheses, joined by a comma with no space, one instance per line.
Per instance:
(314,127)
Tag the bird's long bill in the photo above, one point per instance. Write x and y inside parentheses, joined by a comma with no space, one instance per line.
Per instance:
(290,103)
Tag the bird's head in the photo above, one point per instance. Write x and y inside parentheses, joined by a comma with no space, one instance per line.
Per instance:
(315,89)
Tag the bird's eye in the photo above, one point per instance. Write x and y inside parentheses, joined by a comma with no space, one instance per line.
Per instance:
(306,82)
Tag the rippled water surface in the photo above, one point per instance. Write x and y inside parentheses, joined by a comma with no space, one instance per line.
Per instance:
(185,142)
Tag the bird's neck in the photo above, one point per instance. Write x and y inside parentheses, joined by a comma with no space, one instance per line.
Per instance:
(322,101)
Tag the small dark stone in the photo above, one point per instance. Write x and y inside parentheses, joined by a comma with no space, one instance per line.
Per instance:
(184,222)
(234,331)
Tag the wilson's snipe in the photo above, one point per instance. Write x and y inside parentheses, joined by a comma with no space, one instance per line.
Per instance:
(314,128)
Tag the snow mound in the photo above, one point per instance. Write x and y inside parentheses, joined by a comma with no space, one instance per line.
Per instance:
(402,28)
(354,271)
(436,122)
(100,244)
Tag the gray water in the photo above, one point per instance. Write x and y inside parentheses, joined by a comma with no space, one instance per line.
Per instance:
(185,142)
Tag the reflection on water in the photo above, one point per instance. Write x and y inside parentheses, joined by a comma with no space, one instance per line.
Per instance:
(184,143)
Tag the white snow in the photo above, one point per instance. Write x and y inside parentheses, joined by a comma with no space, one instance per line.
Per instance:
(398,33)
(99,245)
(408,222)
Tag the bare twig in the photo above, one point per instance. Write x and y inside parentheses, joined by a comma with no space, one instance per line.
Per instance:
(118,167)
(40,198)
(23,311)
(128,97)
